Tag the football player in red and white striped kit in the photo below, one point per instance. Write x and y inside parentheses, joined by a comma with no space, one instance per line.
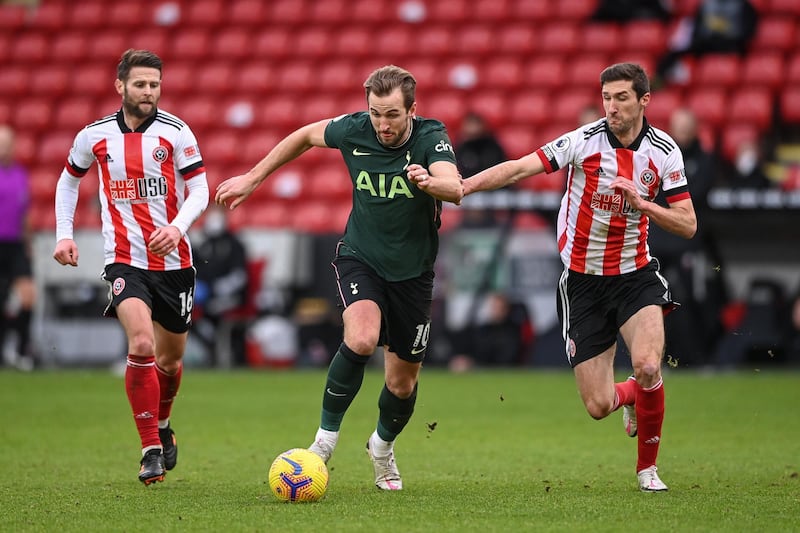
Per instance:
(152,188)
(610,283)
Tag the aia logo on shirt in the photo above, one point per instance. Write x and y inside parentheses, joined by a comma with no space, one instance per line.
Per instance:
(118,286)
(160,154)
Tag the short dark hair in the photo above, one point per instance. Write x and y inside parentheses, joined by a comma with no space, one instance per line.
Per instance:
(136,58)
(386,79)
(628,72)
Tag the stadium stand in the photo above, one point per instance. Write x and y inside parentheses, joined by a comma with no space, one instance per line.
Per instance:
(535,65)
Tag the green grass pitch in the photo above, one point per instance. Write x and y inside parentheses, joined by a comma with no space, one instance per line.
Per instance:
(485,451)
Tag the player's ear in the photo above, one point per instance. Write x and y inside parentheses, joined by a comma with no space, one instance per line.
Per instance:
(119,86)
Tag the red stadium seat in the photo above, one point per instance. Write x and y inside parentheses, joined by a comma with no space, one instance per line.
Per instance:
(297,76)
(261,214)
(644,36)
(717,70)
(26,145)
(338,75)
(536,12)
(436,41)
(273,45)
(69,46)
(531,108)
(257,143)
(602,37)
(14,80)
(221,147)
(492,106)
(709,105)
(88,15)
(179,78)
(200,112)
(776,33)
(156,39)
(575,9)
(751,105)
(398,41)
(518,139)
(314,42)
(216,77)
(585,69)
(50,16)
(314,217)
(54,148)
(765,68)
(474,39)
(560,38)
(784,7)
(243,13)
(792,73)
(318,108)
(519,38)
(279,111)
(108,46)
(331,182)
(128,15)
(30,48)
(232,44)
(733,136)
(50,80)
(203,14)
(662,103)
(545,71)
(684,8)
(192,44)
(790,105)
(503,72)
(372,11)
(492,12)
(450,11)
(254,77)
(330,12)
(288,12)
(449,106)
(353,41)
(74,113)
(569,103)
(12,17)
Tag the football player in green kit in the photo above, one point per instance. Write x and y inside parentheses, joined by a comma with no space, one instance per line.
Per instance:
(384,261)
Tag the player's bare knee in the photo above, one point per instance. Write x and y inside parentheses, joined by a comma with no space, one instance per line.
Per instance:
(401,387)
(647,373)
(598,408)
(142,344)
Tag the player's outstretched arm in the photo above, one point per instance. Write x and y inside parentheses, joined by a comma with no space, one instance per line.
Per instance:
(237,189)
(441,181)
(503,174)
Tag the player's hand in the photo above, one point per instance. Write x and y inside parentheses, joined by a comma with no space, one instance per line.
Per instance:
(418,175)
(234,191)
(629,191)
(164,240)
(66,252)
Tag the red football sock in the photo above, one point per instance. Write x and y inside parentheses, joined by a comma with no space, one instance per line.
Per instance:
(626,393)
(141,384)
(649,418)
(169,385)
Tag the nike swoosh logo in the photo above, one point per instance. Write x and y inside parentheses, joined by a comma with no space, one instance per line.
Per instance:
(339,394)
(357,152)
(415,351)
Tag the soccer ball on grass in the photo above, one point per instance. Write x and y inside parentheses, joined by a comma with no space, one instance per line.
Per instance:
(298,475)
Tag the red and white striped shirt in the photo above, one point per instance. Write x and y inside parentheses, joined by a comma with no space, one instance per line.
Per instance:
(598,232)
(143,174)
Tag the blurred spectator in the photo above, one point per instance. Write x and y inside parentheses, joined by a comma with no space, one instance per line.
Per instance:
(626,10)
(500,336)
(718,26)
(221,285)
(17,289)
(477,149)
(692,265)
(746,170)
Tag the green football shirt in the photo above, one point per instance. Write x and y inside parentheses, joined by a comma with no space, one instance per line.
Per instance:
(393,225)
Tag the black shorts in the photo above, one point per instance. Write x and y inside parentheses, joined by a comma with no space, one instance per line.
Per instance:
(16,262)
(405,305)
(592,308)
(169,294)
